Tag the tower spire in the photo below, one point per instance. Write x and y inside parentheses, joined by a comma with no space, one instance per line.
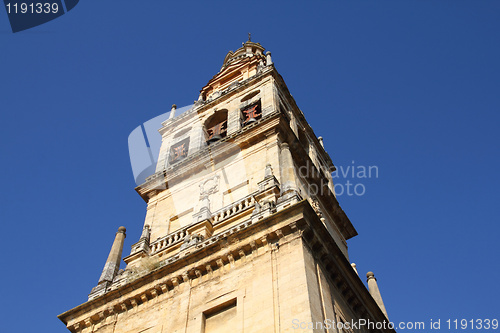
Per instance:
(115,255)
(375,292)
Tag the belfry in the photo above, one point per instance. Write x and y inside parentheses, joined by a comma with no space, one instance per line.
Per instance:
(243,231)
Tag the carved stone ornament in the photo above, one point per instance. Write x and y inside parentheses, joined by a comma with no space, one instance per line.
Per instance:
(209,186)
(191,239)
(317,209)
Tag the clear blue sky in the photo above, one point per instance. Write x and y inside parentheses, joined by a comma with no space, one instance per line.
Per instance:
(409,86)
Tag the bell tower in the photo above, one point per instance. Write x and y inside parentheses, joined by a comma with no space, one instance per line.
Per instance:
(243,232)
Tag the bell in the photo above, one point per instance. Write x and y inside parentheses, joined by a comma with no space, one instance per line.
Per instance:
(214,138)
(250,121)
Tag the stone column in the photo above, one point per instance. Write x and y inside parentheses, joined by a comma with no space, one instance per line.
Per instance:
(115,256)
(204,212)
(268,172)
(172,111)
(320,139)
(375,292)
(233,121)
(145,232)
(269,61)
(293,124)
(288,180)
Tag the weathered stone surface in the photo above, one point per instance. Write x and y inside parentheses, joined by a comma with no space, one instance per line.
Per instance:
(233,238)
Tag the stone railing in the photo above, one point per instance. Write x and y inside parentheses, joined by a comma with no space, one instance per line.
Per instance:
(168,240)
(233,209)
(178,236)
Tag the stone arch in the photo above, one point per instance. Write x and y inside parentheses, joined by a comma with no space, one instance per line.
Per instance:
(216,126)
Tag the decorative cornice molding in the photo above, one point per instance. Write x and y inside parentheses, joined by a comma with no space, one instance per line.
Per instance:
(223,263)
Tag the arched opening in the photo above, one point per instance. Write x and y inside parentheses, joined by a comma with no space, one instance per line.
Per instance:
(251,113)
(216,126)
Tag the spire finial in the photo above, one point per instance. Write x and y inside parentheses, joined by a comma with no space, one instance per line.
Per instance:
(375,292)
(172,111)
(115,256)
(249,37)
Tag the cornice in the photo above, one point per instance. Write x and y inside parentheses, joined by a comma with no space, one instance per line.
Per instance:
(221,252)
(239,241)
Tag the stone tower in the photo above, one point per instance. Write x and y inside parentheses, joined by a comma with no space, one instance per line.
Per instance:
(243,232)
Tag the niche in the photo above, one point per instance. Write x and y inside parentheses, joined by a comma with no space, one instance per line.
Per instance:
(216,126)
